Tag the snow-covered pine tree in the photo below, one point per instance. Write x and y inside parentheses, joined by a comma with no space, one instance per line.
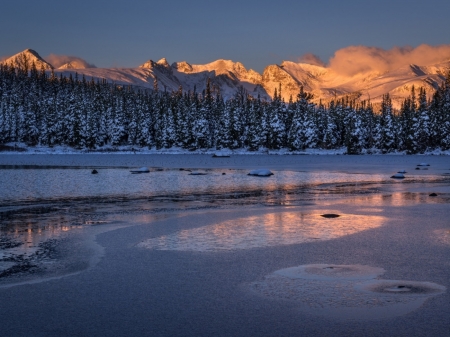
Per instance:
(118,132)
(134,118)
(445,113)
(30,109)
(369,121)
(275,135)
(406,126)
(185,137)
(337,113)
(169,131)
(253,133)
(328,134)
(386,128)
(356,132)
(421,125)
(218,109)
(303,132)
(200,125)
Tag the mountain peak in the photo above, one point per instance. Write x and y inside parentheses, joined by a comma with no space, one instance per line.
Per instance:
(150,64)
(163,62)
(26,58)
(182,67)
(75,64)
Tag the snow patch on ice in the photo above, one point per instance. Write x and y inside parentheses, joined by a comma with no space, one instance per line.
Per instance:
(345,292)
(272,229)
(331,272)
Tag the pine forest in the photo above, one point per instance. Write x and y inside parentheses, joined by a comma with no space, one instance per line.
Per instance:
(38,108)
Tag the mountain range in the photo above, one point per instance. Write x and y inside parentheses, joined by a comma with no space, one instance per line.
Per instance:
(228,76)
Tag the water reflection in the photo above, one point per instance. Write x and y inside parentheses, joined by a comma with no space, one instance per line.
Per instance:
(23,234)
(397,199)
(272,229)
(35,184)
(41,205)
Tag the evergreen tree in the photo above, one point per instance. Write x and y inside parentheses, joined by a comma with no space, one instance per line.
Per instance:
(445,111)
(253,134)
(421,124)
(353,134)
(303,131)
(386,128)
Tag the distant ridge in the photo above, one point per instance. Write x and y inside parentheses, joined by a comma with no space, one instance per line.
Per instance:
(228,77)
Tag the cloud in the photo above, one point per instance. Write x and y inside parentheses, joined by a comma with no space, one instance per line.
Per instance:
(360,59)
(311,59)
(59,60)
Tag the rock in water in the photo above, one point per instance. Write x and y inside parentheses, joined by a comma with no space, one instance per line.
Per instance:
(141,170)
(330,215)
(94,171)
(433,195)
(260,173)
(221,155)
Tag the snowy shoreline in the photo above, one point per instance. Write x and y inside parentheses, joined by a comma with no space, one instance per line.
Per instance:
(23,149)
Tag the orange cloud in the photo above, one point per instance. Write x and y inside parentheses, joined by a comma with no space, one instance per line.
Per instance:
(59,60)
(356,59)
(311,59)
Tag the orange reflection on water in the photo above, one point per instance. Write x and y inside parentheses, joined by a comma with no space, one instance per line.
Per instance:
(396,199)
(264,230)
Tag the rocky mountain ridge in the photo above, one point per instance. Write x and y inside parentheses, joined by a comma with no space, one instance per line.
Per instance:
(227,77)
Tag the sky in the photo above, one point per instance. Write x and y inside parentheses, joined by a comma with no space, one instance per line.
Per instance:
(111,33)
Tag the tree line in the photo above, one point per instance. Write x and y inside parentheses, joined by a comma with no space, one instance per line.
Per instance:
(39,108)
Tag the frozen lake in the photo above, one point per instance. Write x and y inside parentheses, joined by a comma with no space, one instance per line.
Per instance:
(182,233)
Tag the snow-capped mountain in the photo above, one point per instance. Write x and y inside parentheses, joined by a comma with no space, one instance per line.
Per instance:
(228,76)
(26,58)
(75,64)
(325,83)
(225,75)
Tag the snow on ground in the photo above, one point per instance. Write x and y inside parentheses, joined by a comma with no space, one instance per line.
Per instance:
(24,149)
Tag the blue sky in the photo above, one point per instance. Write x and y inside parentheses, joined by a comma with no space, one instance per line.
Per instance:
(110,33)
